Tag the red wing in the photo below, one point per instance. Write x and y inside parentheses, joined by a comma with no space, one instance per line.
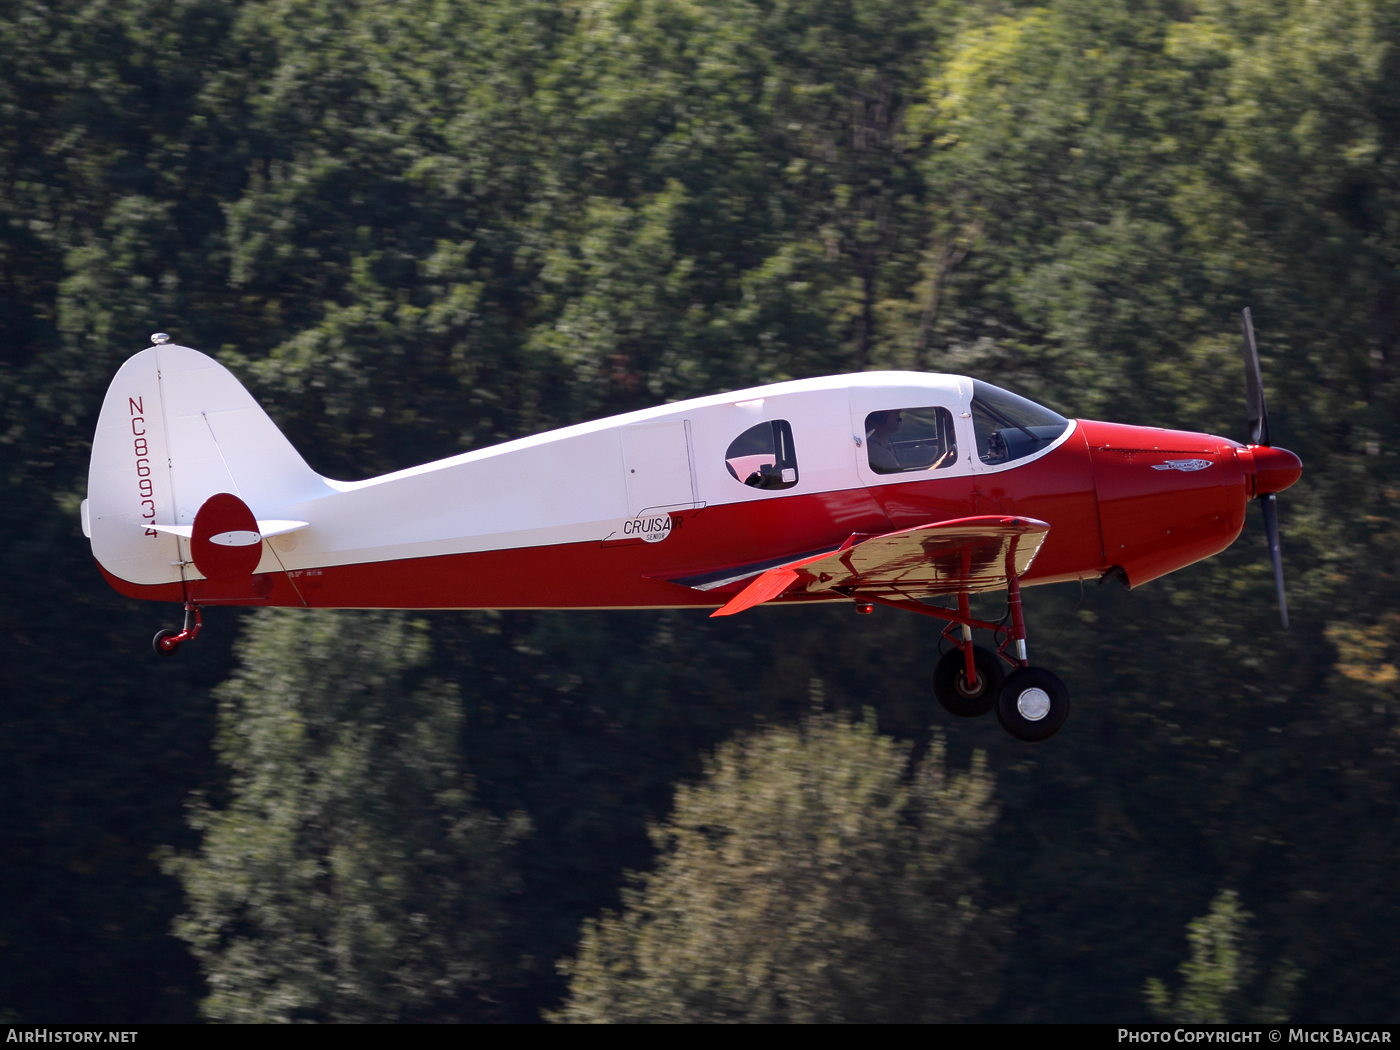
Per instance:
(964,554)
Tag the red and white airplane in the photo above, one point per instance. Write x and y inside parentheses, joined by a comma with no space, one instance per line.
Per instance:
(905,489)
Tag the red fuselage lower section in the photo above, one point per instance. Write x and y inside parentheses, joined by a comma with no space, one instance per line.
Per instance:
(1139,499)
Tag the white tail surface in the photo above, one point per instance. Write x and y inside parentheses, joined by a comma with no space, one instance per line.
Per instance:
(177,427)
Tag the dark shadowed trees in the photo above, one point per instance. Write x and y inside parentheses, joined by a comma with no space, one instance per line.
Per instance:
(348,876)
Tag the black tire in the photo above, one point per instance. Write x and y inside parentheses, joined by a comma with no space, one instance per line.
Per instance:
(1019,707)
(950,682)
(160,637)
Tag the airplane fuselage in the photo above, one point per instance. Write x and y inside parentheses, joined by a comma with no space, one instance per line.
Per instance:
(644,510)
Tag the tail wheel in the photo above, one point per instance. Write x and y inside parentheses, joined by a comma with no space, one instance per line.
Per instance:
(1033,704)
(162,643)
(951,688)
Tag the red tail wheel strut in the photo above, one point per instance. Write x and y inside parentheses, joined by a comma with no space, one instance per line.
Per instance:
(166,642)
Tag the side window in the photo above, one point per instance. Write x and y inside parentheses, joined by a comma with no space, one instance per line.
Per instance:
(904,439)
(1008,426)
(763,456)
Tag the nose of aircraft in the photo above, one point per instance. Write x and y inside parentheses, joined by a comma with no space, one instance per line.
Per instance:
(1270,469)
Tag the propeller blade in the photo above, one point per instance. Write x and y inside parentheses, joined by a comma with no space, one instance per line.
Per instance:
(1270,506)
(1254,387)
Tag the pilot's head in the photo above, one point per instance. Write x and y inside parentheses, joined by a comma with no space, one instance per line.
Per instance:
(884,424)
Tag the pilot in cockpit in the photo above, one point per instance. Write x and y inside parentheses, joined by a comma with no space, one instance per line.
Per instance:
(930,448)
(884,426)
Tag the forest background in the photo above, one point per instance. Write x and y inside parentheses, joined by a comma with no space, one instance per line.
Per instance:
(428,226)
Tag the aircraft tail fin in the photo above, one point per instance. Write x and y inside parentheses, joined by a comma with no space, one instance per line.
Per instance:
(176,427)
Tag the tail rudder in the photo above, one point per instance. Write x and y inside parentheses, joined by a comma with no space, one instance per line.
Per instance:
(176,427)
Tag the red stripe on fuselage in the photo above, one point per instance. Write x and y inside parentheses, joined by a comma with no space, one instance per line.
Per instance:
(1057,488)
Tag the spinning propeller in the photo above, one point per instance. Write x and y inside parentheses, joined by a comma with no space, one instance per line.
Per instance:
(1270,463)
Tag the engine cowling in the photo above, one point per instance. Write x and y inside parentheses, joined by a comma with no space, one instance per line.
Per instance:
(1166,498)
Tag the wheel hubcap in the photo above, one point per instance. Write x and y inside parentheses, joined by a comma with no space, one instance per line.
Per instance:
(973,690)
(1033,704)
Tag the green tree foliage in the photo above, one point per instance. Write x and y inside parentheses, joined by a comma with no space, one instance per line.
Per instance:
(380,238)
(804,879)
(349,876)
(1217,982)
(758,149)
(1102,150)
(107,229)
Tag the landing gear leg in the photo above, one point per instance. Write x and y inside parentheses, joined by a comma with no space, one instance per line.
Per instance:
(166,642)
(1018,621)
(967,679)
(1033,702)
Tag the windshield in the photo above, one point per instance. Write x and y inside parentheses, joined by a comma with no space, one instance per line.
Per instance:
(1008,426)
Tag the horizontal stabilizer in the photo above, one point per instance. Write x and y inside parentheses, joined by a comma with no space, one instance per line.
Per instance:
(945,557)
(266,529)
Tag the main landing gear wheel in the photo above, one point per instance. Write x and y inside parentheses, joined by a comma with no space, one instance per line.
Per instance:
(162,644)
(950,685)
(1033,704)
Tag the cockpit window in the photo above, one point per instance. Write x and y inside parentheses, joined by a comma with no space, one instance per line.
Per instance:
(1008,426)
(898,440)
(763,456)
